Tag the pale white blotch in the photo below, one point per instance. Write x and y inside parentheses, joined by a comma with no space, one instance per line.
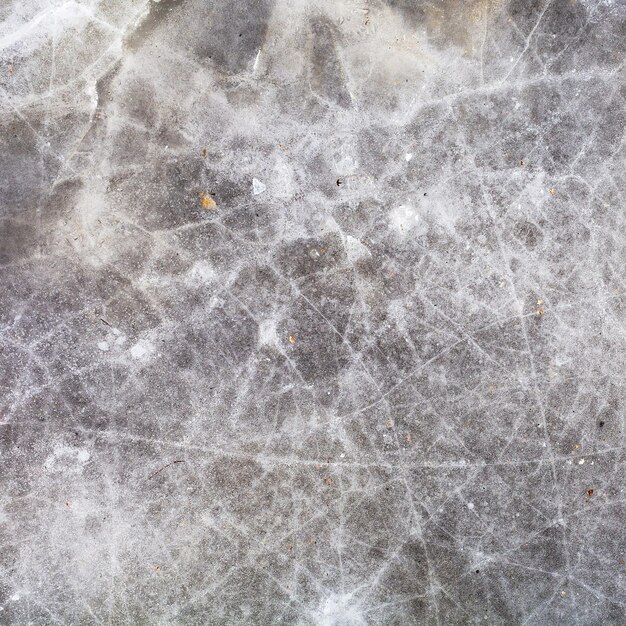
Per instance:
(267,333)
(142,350)
(404,218)
(340,610)
(258,187)
(67,459)
(355,250)
(200,273)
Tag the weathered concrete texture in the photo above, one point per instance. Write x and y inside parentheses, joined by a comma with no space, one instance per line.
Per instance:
(312,312)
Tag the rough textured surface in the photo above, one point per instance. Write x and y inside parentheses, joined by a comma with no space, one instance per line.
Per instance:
(312,312)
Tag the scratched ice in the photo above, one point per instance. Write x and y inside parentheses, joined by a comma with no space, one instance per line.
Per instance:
(312,312)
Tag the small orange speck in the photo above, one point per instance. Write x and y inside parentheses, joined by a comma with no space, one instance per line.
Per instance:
(157,568)
(552,191)
(522,162)
(328,481)
(204,153)
(590,492)
(207,201)
(292,339)
(68,504)
(11,70)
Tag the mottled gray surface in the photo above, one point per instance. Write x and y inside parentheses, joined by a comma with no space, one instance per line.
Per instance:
(312,312)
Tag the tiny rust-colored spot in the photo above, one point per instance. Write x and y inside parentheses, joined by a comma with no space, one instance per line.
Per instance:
(207,201)
(328,481)
(540,311)
(621,561)
(11,70)
(552,191)
(292,339)
(290,546)
(522,162)
(157,568)
(68,504)
(590,492)
(204,153)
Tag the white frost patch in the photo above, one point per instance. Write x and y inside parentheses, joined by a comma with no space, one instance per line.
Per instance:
(257,186)
(68,459)
(114,339)
(355,249)
(340,610)
(345,160)
(88,229)
(404,218)
(267,333)
(283,180)
(46,25)
(408,156)
(200,273)
(142,350)
(15,597)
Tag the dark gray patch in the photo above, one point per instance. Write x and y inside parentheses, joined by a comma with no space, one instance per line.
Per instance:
(16,241)
(168,194)
(327,76)
(528,233)
(21,169)
(140,103)
(310,256)
(233,34)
